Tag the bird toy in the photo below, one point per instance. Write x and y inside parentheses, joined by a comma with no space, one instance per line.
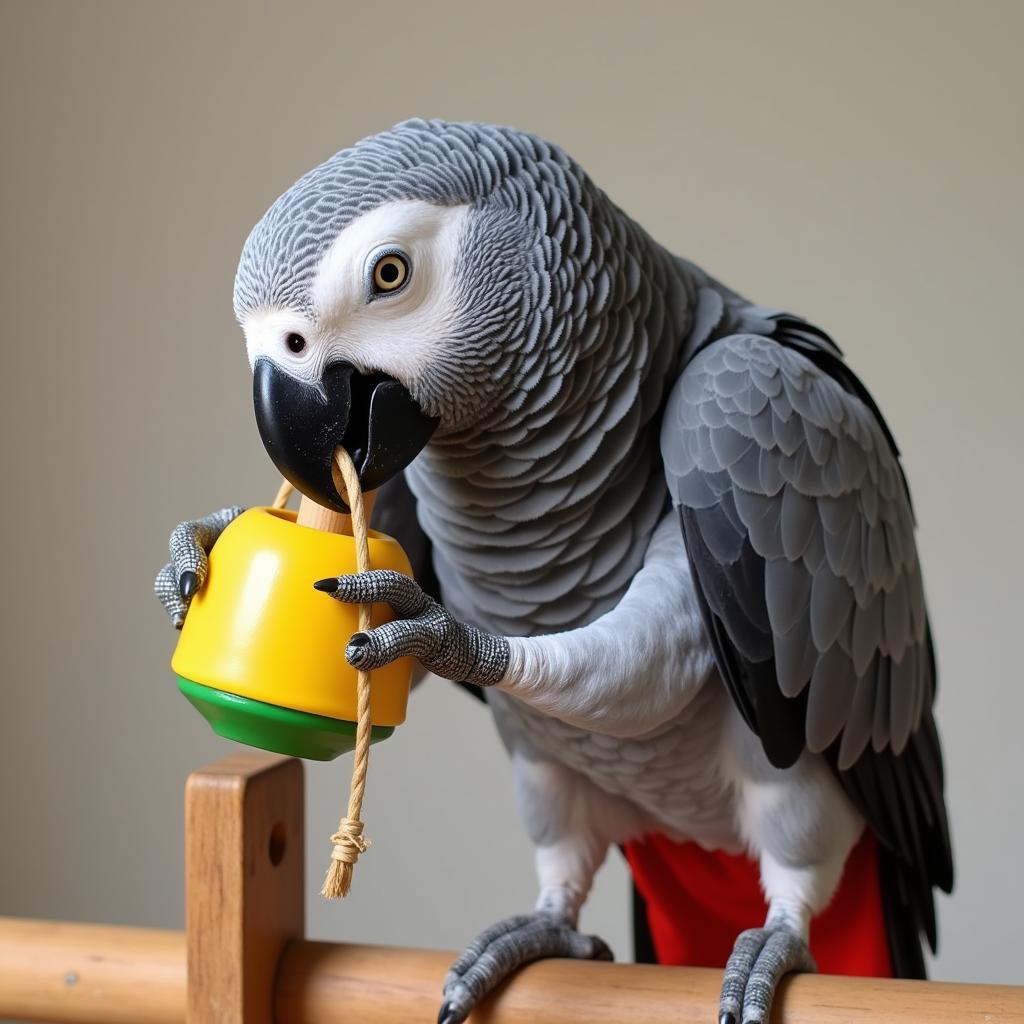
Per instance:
(237,661)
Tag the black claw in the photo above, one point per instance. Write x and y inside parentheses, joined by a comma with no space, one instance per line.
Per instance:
(328,586)
(726,1018)
(359,640)
(443,1013)
(188,584)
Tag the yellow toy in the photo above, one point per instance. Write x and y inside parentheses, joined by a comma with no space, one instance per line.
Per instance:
(261,653)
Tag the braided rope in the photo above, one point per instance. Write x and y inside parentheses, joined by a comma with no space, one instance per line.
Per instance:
(348,841)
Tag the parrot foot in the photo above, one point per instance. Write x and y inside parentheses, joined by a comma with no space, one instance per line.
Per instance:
(502,949)
(759,959)
(423,629)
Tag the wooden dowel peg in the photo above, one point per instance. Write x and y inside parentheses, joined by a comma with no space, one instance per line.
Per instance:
(319,518)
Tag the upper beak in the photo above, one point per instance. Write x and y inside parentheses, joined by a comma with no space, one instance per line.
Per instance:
(373,417)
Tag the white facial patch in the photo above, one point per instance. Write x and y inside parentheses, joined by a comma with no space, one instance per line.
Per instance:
(396,333)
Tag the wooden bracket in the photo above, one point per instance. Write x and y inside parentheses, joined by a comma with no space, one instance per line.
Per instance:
(248,963)
(244,883)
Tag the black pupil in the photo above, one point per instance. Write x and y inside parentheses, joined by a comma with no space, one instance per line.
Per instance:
(296,342)
(389,273)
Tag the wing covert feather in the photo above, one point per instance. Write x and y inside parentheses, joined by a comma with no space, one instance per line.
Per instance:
(839,550)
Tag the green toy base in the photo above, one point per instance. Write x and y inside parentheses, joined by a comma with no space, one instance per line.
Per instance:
(282,730)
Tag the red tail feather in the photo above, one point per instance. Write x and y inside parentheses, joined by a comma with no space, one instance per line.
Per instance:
(698,902)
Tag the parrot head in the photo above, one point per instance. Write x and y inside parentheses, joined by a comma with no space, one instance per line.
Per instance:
(404,290)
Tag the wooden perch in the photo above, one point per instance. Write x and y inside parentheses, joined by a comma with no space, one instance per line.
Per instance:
(247,963)
(95,973)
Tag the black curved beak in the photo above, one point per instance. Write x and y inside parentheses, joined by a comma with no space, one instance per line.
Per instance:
(373,417)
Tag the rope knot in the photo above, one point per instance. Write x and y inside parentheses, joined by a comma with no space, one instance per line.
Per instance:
(349,841)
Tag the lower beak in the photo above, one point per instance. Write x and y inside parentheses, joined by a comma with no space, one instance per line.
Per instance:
(372,416)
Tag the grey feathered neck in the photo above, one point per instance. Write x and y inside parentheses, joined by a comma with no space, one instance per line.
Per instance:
(540,524)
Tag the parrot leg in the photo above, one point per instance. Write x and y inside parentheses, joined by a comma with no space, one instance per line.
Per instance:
(801,863)
(502,949)
(759,960)
(571,824)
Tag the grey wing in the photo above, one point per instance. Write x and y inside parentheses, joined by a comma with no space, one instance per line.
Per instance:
(800,533)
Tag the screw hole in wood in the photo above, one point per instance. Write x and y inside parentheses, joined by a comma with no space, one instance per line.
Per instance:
(277,844)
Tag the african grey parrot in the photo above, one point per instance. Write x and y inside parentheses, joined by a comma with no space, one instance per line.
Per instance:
(671,535)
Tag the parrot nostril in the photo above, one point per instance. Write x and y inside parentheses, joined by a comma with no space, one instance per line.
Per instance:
(295,342)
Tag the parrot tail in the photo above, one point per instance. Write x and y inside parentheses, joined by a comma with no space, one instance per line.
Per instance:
(692,903)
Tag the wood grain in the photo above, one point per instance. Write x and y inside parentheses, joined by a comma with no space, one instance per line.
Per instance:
(322,983)
(244,883)
(93,974)
(137,975)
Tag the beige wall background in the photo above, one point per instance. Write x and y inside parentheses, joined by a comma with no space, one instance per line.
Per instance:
(859,163)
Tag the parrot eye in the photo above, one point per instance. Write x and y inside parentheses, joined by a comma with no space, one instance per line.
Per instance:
(295,342)
(388,271)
